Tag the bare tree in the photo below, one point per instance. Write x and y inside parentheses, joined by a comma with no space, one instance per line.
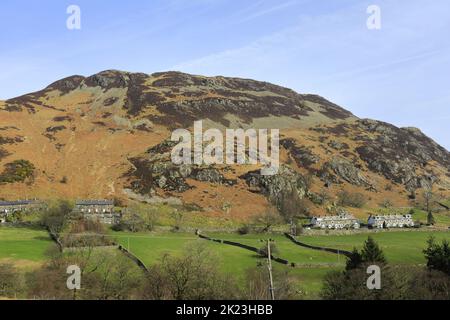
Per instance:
(257,280)
(194,275)
(269,218)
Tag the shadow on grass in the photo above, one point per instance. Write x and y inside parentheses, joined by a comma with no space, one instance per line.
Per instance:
(24,225)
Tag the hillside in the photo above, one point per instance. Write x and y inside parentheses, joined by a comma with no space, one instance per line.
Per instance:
(105,136)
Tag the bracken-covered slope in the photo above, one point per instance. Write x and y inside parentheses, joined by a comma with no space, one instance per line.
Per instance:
(107,136)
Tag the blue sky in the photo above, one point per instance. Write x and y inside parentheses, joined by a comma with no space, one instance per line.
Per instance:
(399,74)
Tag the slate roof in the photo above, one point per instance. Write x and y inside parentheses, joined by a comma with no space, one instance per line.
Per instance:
(94,202)
(16,203)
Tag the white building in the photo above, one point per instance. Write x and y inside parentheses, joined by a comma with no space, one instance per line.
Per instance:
(341,221)
(8,208)
(390,221)
(101,210)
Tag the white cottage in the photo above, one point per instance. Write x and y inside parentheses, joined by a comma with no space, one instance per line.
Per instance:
(341,221)
(8,208)
(101,210)
(390,221)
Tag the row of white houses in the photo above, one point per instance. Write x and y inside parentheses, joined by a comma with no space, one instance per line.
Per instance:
(10,207)
(341,221)
(390,221)
(100,210)
(348,221)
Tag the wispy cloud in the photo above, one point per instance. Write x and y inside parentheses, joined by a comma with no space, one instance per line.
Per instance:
(387,65)
(269,10)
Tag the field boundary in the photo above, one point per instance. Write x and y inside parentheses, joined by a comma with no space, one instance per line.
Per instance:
(135,259)
(114,245)
(243,246)
(55,238)
(331,250)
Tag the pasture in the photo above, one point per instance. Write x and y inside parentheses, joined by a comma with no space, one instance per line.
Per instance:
(400,247)
(24,247)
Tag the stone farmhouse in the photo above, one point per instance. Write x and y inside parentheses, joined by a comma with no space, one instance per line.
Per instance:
(390,221)
(10,207)
(101,210)
(341,221)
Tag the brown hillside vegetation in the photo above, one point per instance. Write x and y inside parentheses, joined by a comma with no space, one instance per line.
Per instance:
(105,136)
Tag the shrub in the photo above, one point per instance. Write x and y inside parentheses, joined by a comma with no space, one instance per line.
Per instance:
(386,204)
(17,171)
(273,250)
(56,216)
(438,256)
(349,199)
(245,229)
(10,282)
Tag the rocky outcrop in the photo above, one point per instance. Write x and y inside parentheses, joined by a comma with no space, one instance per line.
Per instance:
(338,145)
(276,187)
(303,156)
(99,121)
(157,171)
(401,155)
(338,169)
(199,97)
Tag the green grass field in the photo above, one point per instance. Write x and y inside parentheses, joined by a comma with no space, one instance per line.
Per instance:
(400,247)
(311,265)
(286,249)
(28,246)
(150,247)
(442,219)
(23,244)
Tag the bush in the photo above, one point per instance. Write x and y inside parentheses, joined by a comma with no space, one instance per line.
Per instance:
(56,216)
(438,256)
(192,276)
(398,283)
(10,282)
(273,250)
(256,281)
(86,233)
(106,275)
(17,171)
(386,204)
(245,229)
(348,199)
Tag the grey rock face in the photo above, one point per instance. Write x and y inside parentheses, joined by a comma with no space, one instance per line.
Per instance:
(337,145)
(302,155)
(344,170)
(275,187)
(208,175)
(158,171)
(400,153)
